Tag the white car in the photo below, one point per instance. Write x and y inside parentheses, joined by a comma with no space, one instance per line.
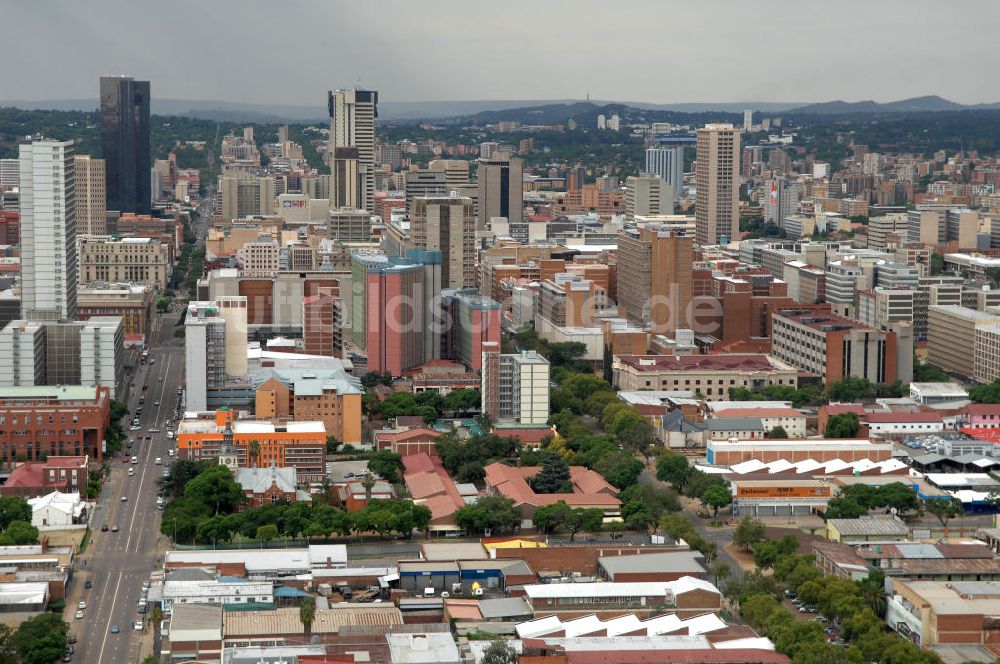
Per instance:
(134,428)
(135,459)
(157,461)
(124,499)
(131,472)
(137,625)
(79,615)
(82,606)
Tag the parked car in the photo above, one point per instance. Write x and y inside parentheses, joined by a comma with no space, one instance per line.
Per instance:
(115,628)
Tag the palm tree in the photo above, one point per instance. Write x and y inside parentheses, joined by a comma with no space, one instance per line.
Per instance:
(307,613)
(368,482)
(253,453)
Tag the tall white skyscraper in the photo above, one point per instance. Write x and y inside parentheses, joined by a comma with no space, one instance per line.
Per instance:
(352,125)
(747,119)
(668,163)
(48,230)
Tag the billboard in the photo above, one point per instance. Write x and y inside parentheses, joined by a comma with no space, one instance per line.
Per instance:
(818,491)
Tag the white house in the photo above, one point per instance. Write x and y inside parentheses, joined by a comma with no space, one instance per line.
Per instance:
(56,510)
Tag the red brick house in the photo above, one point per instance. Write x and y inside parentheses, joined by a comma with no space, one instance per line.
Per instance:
(269,486)
(65,474)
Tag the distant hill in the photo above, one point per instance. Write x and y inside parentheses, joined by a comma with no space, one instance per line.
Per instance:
(926,104)
(531,111)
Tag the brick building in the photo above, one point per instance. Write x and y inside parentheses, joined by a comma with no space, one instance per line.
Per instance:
(299,445)
(64,474)
(133,303)
(329,396)
(36,422)
(710,375)
(269,486)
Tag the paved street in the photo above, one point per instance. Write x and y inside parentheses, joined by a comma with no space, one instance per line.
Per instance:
(118,563)
(721,537)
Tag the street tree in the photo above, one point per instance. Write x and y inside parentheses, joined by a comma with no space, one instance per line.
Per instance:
(674,469)
(945,509)
(748,533)
(41,639)
(715,498)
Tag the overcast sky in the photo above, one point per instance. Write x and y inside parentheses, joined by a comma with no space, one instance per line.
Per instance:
(663,51)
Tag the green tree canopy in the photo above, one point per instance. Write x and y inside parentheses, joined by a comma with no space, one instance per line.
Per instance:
(560,517)
(386,464)
(216,488)
(494,512)
(499,652)
(715,498)
(13,508)
(844,425)
(553,477)
(41,639)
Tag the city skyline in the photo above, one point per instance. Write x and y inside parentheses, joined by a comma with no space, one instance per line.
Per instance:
(590,52)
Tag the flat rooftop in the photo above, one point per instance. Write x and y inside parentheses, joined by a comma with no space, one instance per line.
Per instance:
(696,363)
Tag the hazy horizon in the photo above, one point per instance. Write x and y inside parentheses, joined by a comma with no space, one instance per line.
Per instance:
(255,52)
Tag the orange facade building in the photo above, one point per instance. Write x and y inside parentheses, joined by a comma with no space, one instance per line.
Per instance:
(299,445)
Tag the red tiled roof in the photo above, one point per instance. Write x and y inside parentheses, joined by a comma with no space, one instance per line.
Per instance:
(982,409)
(524,434)
(512,483)
(417,463)
(888,418)
(428,482)
(841,408)
(421,433)
(27,474)
(721,362)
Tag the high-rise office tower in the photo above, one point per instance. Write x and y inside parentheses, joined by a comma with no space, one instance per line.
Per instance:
(125,143)
(448,224)
(501,190)
(782,200)
(352,125)
(668,163)
(747,119)
(91,197)
(647,194)
(345,181)
(456,170)
(717,211)
(654,275)
(48,230)
(9,174)
(424,183)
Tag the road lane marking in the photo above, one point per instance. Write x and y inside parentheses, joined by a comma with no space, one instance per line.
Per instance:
(111,615)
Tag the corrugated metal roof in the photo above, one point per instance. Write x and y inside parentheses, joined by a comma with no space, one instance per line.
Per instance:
(327,621)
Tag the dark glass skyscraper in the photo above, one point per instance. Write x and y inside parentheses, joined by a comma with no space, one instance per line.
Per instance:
(125,143)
